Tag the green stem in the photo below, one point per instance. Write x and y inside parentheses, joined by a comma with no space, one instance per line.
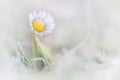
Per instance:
(33,48)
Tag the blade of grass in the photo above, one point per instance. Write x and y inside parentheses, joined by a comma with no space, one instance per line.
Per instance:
(22,55)
(73,50)
(43,50)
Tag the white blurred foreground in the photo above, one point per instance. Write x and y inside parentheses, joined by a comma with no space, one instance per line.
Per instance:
(74,19)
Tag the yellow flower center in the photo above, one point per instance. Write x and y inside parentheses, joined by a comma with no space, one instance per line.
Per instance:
(38,26)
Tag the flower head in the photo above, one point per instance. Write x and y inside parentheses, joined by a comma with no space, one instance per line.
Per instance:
(41,23)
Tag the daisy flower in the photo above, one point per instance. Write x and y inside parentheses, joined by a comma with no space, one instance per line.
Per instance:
(41,23)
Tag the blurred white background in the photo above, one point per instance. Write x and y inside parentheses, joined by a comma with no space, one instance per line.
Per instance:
(74,19)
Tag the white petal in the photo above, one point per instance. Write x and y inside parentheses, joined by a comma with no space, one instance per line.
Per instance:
(34,14)
(31,16)
(43,15)
(49,31)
